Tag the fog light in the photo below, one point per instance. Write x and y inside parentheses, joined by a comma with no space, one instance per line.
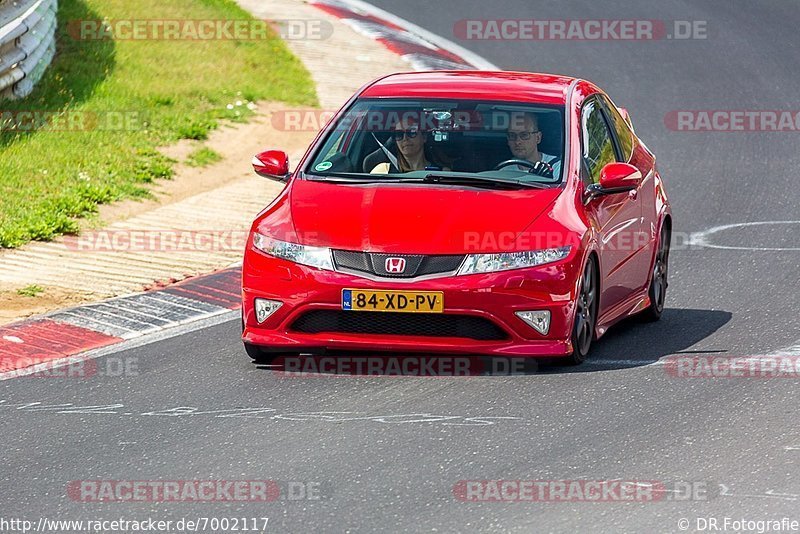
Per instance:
(538,320)
(265,308)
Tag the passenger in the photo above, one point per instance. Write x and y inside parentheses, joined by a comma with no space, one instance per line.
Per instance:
(410,151)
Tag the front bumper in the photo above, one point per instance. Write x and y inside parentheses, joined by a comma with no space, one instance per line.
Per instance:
(493,297)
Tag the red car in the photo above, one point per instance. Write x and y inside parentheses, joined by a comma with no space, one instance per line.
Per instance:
(493,213)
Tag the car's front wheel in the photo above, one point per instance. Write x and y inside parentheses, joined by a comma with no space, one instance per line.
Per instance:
(585,314)
(258,355)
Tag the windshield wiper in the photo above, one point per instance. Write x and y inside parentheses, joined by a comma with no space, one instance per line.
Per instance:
(478,181)
(349,176)
(469,180)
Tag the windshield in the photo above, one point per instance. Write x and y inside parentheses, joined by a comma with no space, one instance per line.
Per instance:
(390,139)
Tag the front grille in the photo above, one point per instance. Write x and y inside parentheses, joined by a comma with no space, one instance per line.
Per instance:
(399,324)
(416,264)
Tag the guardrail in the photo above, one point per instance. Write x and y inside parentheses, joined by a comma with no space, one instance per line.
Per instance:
(27,44)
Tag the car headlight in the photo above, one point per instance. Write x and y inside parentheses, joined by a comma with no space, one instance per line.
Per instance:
(489,263)
(319,257)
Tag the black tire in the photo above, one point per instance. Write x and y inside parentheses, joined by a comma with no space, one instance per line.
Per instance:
(585,314)
(658,283)
(258,355)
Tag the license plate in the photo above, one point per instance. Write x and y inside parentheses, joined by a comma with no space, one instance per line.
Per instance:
(393,301)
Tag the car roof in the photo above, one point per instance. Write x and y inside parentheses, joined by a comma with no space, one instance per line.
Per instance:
(528,87)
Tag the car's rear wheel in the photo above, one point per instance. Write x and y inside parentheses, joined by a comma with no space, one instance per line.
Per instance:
(658,283)
(585,314)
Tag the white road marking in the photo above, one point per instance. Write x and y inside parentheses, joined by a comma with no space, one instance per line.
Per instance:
(445,44)
(624,363)
(794,350)
(769,494)
(300,417)
(701,239)
(787,496)
(13,339)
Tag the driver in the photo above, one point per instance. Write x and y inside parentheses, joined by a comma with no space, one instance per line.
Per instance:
(523,137)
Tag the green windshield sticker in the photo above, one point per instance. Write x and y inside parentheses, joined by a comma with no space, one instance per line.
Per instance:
(324,166)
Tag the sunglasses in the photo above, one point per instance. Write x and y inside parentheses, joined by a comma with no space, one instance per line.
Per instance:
(411,134)
(512,136)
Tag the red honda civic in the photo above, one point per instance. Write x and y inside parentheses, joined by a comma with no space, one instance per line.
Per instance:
(492,213)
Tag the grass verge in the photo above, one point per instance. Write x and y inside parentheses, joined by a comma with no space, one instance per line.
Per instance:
(202,157)
(117,101)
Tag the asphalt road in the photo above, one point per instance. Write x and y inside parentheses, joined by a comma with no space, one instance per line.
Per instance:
(387,452)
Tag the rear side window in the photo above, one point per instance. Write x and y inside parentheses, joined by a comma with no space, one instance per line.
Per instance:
(624,134)
(598,147)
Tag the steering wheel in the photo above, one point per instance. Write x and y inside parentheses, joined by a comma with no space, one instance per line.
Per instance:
(540,167)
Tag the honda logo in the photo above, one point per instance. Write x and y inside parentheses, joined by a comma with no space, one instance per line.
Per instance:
(395,265)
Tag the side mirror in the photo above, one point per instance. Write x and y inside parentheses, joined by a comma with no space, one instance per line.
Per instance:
(615,178)
(273,164)
(620,177)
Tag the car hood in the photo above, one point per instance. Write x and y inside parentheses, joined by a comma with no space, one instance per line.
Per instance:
(411,219)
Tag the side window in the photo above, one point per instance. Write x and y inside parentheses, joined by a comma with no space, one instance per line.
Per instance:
(624,135)
(598,148)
